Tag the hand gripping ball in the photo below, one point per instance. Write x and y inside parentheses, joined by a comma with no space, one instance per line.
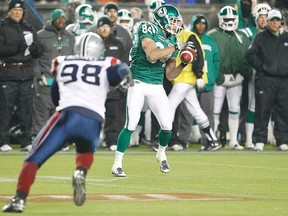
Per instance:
(188,55)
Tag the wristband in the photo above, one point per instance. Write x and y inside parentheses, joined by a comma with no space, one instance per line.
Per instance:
(176,46)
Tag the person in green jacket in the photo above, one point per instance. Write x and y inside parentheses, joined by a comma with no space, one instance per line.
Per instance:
(232,45)
(244,10)
(199,25)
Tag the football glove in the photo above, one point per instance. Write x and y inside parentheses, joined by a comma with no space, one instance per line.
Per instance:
(230,80)
(200,85)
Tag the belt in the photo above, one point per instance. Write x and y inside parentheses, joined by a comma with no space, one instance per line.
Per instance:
(15,65)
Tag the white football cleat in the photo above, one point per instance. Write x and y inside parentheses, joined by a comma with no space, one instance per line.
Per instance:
(5,148)
(162,159)
(259,147)
(283,147)
(236,146)
(118,171)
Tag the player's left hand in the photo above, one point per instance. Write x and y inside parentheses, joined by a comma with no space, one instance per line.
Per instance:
(200,85)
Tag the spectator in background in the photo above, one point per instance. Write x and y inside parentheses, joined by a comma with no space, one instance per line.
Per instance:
(260,13)
(137,14)
(232,46)
(19,45)
(85,17)
(199,25)
(125,20)
(111,10)
(56,41)
(193,75)
(116,100)
(244,10)
(268,56)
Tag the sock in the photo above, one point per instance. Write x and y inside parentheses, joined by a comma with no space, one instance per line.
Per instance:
(161,153)
(249,127)
(250,117)
(138,129)
(216,122)
(84,160)
(233,122)
(26,178)
(123,140)
(118,159)
(164,137)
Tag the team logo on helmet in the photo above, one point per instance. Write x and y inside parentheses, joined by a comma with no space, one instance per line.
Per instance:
(168,18)
(162,12)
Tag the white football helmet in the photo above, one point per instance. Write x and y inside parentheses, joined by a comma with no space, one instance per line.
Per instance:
(154,4)
(85,13)
(261,9)
(89,45)
(125,19)
(228,18)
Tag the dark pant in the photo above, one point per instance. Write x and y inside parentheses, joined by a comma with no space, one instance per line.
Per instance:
(271,93)
(43,108)
(115,116)
(16,94)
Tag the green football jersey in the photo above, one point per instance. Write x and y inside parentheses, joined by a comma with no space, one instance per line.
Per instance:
(142,69)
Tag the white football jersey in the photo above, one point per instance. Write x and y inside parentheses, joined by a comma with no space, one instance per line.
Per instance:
(82,82)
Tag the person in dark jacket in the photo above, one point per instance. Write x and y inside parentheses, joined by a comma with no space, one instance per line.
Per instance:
(56,41)
(268,56)
(116,100)
(18,46)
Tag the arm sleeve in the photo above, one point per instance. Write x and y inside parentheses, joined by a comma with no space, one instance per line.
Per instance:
(117,73)
(253,55)
(6,50)
(198,64)
(216,60)
(55,93)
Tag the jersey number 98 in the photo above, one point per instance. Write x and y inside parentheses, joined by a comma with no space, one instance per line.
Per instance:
(90,73)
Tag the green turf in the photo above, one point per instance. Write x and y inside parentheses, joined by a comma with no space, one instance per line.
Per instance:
(241,183)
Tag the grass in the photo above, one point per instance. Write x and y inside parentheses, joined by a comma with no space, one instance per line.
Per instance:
(225,182)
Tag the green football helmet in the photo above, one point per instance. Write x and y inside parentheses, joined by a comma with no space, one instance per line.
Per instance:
(168,18)
(85,13)
(154,4)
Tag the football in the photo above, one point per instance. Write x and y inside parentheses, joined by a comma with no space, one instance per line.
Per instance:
(187,55)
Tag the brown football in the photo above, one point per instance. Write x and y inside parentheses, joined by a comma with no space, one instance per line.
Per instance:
(187,55)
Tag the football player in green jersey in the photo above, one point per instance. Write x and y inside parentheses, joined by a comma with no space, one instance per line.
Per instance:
(152,55)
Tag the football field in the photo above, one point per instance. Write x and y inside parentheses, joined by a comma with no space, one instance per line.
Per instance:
(225,182)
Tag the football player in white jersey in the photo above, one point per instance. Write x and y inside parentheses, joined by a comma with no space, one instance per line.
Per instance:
(79,91)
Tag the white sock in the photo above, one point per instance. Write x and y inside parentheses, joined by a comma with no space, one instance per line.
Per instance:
(138,129)
(118,159)
(233,122)
(161,152)
(216,122)
(249,127)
